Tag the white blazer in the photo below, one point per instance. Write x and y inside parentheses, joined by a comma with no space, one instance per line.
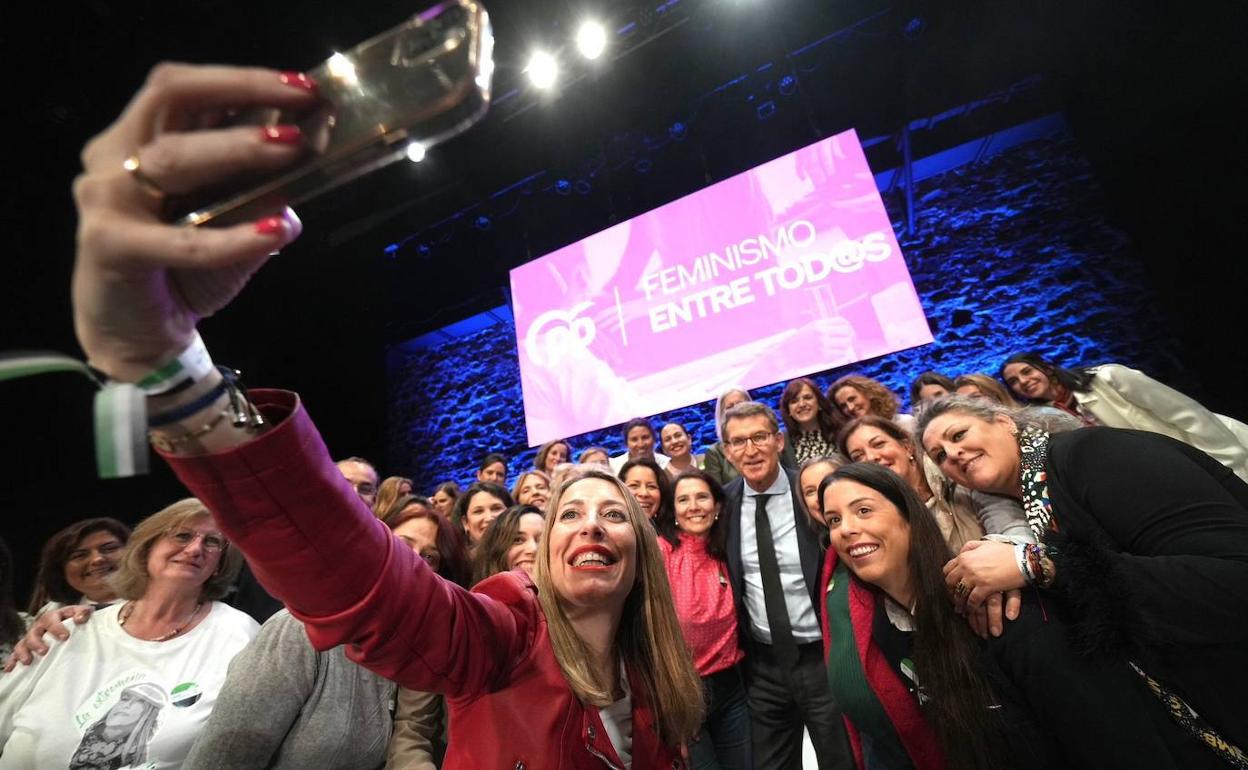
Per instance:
(1122,397)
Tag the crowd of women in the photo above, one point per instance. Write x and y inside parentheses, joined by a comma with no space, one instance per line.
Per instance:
(1045,568)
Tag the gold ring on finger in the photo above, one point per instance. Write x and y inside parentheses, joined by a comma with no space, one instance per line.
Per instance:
(135,169)
(960,589)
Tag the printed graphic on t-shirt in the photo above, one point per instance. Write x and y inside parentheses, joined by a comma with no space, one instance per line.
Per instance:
(119,731)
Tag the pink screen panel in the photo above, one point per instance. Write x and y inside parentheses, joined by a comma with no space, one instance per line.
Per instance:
(786,269)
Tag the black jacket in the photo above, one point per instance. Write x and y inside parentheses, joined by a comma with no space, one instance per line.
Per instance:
(808,546)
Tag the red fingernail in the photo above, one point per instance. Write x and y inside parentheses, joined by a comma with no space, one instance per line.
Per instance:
(298,80)
(271,226)
(285,134)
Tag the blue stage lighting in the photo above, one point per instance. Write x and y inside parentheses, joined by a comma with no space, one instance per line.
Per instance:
(482,223)
(563,187)
(788,84)
(766,110)
(677,131)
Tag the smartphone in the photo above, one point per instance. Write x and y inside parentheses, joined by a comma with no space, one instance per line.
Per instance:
(425,80)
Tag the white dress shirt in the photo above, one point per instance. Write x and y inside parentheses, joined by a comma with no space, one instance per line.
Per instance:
(780,512)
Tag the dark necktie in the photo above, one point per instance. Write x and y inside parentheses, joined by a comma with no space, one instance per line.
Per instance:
(773,591)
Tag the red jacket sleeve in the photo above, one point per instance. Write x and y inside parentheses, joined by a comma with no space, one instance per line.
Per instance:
(314,544)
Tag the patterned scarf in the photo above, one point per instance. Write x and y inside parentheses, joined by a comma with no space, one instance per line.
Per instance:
(1034,445)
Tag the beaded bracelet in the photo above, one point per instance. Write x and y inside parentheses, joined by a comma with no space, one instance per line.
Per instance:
(1024,566)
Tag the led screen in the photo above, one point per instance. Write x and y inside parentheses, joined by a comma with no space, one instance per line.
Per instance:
(786,269)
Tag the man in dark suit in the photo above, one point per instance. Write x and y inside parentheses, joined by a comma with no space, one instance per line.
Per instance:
(773,562)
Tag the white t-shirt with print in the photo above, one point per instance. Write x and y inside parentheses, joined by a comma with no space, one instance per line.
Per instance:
(103,699)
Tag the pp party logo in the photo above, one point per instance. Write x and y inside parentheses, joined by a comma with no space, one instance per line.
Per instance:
(556,333)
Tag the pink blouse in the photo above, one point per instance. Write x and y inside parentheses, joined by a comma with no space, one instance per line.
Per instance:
(704,604)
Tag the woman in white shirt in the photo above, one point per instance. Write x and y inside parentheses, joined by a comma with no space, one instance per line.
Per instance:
(134,686)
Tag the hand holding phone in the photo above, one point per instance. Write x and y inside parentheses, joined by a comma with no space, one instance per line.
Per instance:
(425,80)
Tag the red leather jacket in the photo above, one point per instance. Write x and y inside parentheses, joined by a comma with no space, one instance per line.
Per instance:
(314,545)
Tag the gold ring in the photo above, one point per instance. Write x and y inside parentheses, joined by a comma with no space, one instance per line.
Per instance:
(134,168)
(960,589)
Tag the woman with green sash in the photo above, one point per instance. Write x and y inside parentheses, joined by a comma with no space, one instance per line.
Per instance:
(919,689)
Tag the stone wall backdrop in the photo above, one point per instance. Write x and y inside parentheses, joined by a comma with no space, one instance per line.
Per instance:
(1011,253)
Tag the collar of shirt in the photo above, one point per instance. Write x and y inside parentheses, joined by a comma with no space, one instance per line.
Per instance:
(778,487)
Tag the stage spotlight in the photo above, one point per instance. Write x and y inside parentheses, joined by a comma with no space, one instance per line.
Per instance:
(563,187)
(342,70)
(415,152)
(543,70)
(591,39)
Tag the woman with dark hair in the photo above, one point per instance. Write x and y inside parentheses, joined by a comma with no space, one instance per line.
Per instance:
(1143,540)
(481,503)
(1117,396)
(929,386)
(694,545)
(963,516)
(493,468)
(170,636)
(983,386)
(444,497)
(551,455)
(916,684)
(810,420)
(650,485)
(431,536)
(76,563)
(679,450)
(858,396)
(510,542)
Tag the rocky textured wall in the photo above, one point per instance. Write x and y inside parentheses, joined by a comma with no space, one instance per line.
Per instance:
(1011,253)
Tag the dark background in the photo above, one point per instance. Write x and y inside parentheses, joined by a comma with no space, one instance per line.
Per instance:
(1151,92)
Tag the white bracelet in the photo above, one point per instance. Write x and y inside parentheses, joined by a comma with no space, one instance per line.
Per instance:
(190,366)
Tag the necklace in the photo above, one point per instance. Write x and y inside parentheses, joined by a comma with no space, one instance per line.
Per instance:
(128,610)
